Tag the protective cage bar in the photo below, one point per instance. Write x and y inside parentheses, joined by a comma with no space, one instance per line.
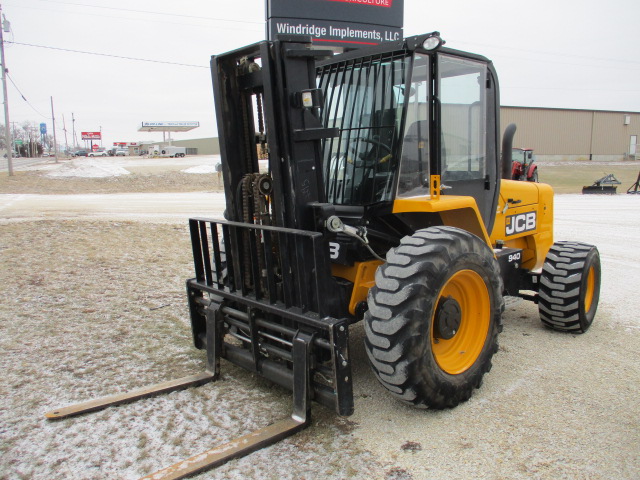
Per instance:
(363,99)
(292,257)
(260,299)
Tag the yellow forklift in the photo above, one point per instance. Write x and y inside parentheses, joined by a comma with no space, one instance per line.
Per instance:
(386,201)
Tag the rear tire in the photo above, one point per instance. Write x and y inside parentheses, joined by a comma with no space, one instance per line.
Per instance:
(570,287)
(434,317)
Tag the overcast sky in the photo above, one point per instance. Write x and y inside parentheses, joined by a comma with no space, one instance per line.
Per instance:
(561,53)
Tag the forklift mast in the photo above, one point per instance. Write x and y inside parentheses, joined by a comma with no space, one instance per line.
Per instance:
(275,83)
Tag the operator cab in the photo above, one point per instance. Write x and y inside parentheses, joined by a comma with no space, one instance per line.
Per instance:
(405,113)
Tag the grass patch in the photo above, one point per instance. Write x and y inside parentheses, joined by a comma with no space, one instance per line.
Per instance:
(571,177)
(36,182)
(567,177)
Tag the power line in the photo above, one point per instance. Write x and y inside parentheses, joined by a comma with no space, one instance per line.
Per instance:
(25,98)
(626,67)
(107,55)
(173,22)
(549,54)
(199,17)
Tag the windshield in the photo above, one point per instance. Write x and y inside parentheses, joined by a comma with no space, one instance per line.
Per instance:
(367,100)
(518,155)
(364,99)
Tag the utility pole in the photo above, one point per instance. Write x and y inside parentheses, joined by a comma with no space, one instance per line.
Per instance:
(7,125)
(55,142)
(66,140)
(14,137)
(73,127)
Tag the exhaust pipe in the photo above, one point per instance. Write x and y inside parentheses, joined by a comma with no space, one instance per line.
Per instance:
(507,145)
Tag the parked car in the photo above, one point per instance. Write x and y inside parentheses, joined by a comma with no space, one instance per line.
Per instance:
(79,153)
(121,153)
(97,153)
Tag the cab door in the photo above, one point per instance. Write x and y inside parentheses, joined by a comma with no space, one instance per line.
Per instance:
(466,117)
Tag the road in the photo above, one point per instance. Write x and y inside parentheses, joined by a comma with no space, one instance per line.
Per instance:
(20,162)
(145,207)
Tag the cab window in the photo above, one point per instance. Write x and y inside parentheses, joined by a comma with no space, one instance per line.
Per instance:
(462,96)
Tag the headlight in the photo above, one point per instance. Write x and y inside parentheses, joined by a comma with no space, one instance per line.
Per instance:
(433,41)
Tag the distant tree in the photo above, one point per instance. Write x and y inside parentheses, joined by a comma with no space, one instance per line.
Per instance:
(32,142)
(30,137)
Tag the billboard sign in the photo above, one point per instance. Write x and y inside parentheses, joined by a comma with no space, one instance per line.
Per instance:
(168,126)
(91,135)
(341,23)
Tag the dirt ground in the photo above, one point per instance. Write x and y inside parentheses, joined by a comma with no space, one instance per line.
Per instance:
(165,175)
(94,304)
(140,180)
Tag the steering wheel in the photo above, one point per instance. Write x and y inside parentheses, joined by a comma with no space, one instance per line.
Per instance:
(374,143)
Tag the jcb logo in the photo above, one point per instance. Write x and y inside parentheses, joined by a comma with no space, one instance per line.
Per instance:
(523,222)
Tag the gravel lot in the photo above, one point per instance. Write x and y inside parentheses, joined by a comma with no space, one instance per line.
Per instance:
(93,304)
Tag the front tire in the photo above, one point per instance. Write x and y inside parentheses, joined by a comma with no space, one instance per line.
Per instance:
(570,287)
(434,317)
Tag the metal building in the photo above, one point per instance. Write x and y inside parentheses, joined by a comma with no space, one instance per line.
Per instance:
(199,146)
(555,134)
(564,134)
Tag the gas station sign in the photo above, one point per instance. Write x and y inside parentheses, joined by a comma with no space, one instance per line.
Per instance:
(91,135)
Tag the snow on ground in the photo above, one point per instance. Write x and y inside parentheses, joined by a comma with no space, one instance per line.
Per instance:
(92,307)
(545,409)
(582,163)
(213,168)
(612,223)
(139,207)
(201,169)
(101,167)
(88,168)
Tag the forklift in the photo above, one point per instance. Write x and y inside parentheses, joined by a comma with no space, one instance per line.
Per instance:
(386,201)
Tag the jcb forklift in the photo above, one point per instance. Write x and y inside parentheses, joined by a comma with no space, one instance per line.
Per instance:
(387,201)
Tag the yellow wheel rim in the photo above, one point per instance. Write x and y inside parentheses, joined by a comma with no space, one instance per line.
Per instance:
(590,289)
(458,353)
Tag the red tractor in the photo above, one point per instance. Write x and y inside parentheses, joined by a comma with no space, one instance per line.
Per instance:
(523,167)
